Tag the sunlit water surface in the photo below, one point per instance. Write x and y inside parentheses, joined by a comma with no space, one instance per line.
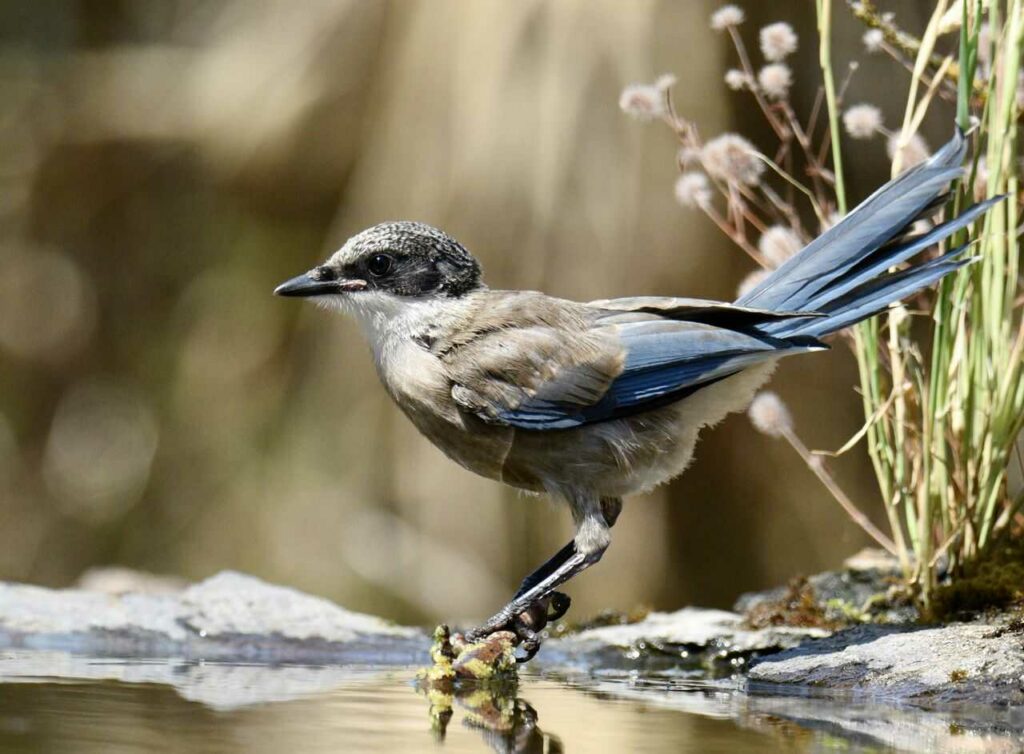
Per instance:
(236,708)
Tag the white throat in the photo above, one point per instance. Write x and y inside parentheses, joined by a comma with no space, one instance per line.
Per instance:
(391,322)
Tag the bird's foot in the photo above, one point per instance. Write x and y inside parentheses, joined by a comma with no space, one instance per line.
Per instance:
(526,623)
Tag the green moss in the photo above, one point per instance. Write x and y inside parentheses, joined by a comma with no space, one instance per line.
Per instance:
(993,581)
(957,676)
(441,674)
(489,662)
(797,607)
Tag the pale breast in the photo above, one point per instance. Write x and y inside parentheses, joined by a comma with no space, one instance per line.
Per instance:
(418,382)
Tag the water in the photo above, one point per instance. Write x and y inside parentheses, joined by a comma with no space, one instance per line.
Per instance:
(117,706)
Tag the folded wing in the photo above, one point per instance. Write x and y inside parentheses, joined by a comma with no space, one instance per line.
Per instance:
(626,359)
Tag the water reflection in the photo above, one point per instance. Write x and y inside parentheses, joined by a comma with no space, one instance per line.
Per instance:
(507,723)
(54,701)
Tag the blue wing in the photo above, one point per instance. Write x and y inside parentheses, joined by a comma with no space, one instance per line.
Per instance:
(660,360)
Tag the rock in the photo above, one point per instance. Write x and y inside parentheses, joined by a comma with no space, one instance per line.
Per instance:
(859,590)
(843,724)
(972,663)
(688,638)
(227,617)
(491,659)
(457,664)
(119,580)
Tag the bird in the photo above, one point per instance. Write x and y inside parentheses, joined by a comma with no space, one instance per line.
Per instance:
(594,402)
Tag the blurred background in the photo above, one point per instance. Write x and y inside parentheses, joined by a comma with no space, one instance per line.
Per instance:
(165,163)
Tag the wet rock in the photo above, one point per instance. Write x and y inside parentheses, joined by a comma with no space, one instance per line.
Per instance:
(863,589)
(454,662)
(228,617)
(490,659)
(834,724)
(962,663)
(686,639)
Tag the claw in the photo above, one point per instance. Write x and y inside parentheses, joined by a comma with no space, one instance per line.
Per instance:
(531,648)
(527,625)
(560,603)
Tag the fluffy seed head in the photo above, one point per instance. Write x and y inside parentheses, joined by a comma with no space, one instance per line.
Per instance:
(736,79)
(775,79)
(915,152)
(647,101)
(665,81)
(981,179)
(920,227)
(862,121)
(777,244)
(727,16)
(750,282)
(831,220)
(898,315)
(985,45)
(873,39)
(769,414)
(642,101)
(777,41)
(732,158)
(688,156)
(693,190)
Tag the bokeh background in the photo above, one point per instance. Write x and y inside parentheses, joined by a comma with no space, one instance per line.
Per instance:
(164,163)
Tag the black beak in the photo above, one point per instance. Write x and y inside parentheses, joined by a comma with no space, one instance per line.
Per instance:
(306,285)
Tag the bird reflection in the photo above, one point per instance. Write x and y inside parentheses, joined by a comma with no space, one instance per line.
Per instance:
(507,723)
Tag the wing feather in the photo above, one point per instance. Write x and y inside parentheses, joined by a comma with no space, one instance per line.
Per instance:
(545,378)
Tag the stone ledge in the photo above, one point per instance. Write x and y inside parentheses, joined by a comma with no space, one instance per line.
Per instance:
(229,616)
(960,663)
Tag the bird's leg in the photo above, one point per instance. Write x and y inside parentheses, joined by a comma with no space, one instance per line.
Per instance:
(611,507)
(592,539)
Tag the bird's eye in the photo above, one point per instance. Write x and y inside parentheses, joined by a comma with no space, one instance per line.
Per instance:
(380,264)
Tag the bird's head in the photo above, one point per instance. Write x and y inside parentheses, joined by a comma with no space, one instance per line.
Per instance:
(387,266)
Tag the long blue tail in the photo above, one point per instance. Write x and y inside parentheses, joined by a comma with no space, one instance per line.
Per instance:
(843,272)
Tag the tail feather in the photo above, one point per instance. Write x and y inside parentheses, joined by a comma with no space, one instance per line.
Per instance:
(880,218)
(873,297)
(843,273)
(881,260)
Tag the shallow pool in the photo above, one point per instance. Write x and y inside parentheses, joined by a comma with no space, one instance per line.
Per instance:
(63,703)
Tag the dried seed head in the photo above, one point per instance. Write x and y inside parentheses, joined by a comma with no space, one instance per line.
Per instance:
(643,101)
(832,220)
(777,244)
(920,227)
(727,16)
(693,190)
(985,45)
(688,156)
(898,315)
(873,39)
(733,159)
(862,121)
(775,79)
(777,41)
(981,179)
(665,81)
(751,281)
(647,101)
(736,79)
(769,414)
(913,153)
